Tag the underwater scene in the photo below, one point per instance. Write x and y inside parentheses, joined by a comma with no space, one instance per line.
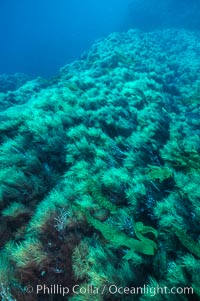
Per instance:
(100,150)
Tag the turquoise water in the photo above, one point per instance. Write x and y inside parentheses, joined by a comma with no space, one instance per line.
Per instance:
(39,37)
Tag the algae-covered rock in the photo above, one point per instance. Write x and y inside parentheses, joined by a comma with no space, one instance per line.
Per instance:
(99,171)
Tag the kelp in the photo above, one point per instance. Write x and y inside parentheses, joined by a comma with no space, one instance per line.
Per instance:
(119,239)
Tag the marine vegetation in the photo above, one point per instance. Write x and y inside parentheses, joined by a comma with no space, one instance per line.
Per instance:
(100,174)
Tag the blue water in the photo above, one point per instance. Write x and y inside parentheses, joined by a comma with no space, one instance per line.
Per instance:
(40,36)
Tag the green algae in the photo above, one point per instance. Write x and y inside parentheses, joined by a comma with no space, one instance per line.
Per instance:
(113,143)
(187,241)
(119,239)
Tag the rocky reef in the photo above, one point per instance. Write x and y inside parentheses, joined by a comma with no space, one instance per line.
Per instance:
(99,170)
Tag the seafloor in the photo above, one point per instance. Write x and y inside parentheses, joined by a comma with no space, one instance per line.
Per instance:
(100,173)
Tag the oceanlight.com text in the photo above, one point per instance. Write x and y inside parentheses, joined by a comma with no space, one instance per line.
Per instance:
(112,289)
